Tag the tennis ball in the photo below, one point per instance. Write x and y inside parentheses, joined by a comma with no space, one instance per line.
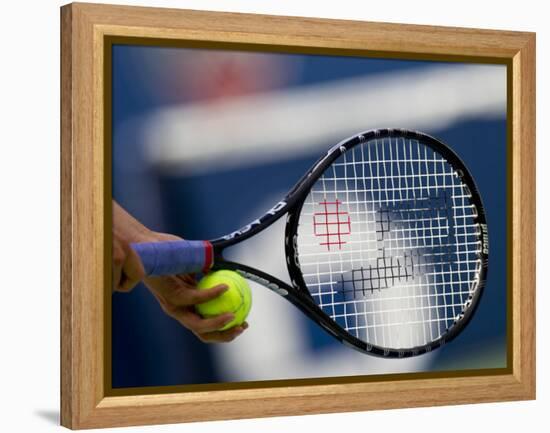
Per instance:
(237,299)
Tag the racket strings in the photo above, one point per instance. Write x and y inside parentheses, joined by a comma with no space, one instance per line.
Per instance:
(388,244)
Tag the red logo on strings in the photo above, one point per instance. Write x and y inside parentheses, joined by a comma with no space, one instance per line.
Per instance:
(331,224)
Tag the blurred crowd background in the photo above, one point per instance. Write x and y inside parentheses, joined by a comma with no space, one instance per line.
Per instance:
(206,140)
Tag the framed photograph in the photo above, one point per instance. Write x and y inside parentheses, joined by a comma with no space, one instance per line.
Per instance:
(266,215)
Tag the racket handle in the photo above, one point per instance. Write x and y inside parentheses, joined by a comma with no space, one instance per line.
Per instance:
(175,257)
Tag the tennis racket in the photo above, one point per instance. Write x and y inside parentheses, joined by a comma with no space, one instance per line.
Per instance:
(386,244)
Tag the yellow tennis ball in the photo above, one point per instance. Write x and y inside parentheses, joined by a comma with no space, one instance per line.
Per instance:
(237,299)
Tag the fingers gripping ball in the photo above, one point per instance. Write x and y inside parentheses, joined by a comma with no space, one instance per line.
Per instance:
(237,299)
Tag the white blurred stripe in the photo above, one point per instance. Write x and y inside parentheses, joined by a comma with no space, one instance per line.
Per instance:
(266,126)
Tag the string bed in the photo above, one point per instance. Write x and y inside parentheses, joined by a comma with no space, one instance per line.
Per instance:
(388,244)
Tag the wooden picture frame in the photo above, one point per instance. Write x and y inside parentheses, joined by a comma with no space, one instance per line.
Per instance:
(87,30)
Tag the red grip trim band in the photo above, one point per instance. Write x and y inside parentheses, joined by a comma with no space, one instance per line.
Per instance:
(208,257)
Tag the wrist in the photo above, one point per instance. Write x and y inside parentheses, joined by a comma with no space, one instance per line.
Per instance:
(128,228)
(142,234)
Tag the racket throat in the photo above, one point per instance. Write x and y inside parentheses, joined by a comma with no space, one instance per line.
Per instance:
(253,227)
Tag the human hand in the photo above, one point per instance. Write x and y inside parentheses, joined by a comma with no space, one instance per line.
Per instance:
(178,295)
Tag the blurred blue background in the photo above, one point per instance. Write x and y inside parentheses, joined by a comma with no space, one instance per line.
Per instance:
(206,140)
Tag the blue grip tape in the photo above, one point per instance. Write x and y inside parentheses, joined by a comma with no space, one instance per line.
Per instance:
(173,257)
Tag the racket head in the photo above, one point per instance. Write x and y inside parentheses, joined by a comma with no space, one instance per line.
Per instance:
(389,239)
